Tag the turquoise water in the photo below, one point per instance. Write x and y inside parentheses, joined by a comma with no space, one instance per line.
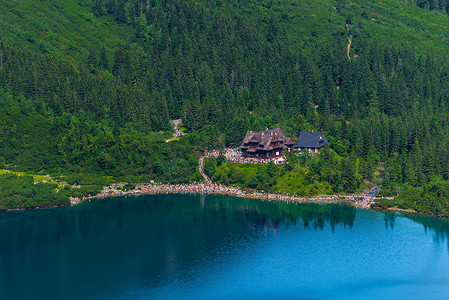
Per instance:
(219,247)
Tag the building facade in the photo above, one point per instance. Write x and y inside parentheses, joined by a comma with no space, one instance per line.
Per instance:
(266,144)
(312,141)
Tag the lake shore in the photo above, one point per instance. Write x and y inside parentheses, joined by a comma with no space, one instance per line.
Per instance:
(411,211)
(114,190)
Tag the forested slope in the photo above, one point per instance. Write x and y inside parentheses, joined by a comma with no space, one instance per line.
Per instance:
(97,71)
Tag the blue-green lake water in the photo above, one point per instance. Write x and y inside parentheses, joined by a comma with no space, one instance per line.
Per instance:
(219,247)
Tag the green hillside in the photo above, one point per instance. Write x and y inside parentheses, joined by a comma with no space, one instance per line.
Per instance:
(306,22)
(70,28)
(89,87)
(64,29)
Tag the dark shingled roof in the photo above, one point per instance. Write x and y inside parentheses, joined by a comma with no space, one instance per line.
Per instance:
(288,141)
(310,139)
(265,140)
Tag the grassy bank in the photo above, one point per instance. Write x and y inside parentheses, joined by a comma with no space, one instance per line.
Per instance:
(432,198)
(291,178)
(20,192)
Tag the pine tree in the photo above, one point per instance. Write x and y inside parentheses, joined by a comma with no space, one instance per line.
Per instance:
(120,13)
(103,60)
(348,179)
(99,8)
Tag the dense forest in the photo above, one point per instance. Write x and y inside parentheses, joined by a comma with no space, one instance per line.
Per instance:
(21,192)
(95,95)
(441,6)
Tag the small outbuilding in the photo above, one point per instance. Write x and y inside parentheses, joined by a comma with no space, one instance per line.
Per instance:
(313,141)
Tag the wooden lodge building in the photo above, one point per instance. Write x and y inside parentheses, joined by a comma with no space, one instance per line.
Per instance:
(313,141)
(266,144)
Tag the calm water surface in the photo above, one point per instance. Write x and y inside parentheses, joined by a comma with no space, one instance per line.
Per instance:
(219,247)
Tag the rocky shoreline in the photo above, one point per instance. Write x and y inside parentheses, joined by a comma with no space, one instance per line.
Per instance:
(114,190)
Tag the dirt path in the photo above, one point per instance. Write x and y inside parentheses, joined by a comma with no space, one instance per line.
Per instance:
(201,169)
(172,139)
(208,187)
(349,46)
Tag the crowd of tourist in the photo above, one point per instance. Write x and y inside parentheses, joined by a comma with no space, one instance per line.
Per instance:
(213,188)
(175,124)
(362,200)
(208,187)
(235,155)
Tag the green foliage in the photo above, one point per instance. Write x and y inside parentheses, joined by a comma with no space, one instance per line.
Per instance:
(96,154)
(88,179)
(64,29)
(18,192)
(441,6)
(210,166)
(281,60)
(348,178)
(431,198)
(294,179)
(89,88)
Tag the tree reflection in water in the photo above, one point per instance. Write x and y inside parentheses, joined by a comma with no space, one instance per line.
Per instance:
(438,227)
(113,245)
(390,218)
(314,216)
